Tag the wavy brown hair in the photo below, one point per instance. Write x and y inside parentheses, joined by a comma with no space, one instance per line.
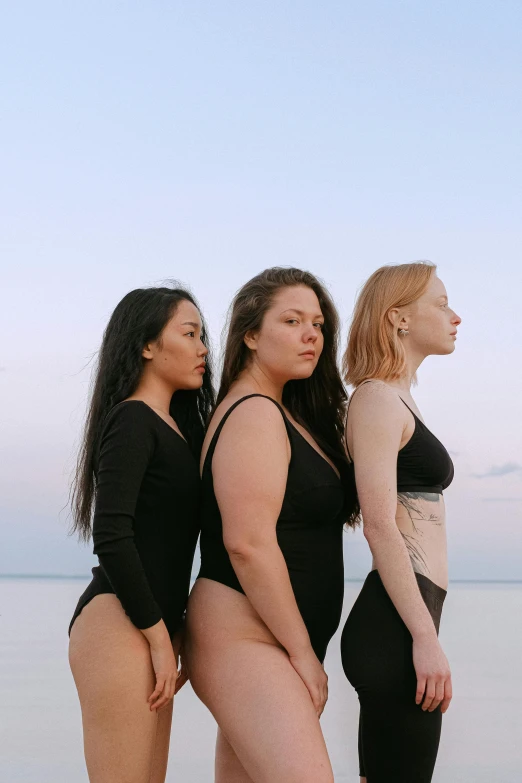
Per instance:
(318,403)
(375,349)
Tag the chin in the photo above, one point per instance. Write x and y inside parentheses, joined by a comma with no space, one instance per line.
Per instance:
(192,384)
(303,373)
(444,351)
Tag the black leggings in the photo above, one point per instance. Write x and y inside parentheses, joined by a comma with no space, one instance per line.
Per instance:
(398,742)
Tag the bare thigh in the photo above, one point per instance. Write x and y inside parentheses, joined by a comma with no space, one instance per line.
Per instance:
(228,767)
(264,710)
(124,741)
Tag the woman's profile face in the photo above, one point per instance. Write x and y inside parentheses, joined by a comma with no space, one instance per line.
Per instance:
(178,355)
(432,324)
(290,340)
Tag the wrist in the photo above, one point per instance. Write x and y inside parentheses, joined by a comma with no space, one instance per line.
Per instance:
(425,635)
(157,635)
(300,650)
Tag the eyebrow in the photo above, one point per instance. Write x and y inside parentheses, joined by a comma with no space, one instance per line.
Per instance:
(443,296)
(190,323)
(299,312)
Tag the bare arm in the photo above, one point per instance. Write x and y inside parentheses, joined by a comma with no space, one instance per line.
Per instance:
(250,468)
(377,425)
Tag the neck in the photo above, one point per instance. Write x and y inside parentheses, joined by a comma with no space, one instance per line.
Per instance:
(258,379)
(413,362)
(155,392)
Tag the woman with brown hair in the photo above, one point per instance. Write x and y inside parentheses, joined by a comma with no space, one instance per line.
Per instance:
(276,494)
(390,650)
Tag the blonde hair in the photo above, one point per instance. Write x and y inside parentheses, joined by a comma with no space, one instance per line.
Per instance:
(375,349)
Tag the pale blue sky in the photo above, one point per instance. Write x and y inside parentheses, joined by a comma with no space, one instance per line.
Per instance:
(205,141)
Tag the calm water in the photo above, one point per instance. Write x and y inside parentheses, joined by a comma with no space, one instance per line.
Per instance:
(40,725)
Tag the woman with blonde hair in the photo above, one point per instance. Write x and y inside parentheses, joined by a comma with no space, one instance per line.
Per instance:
(390,648)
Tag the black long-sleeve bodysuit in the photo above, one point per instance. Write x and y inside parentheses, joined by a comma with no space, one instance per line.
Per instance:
(145,524)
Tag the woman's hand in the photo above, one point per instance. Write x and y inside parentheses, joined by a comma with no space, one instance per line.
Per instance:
(433,674)
(311,671)
(166,672)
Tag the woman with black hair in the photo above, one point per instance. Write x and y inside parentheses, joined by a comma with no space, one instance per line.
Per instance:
(136,492)
(276,492)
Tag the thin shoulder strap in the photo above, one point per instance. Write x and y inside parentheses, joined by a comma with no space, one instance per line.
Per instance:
(215,436)
(348,408)
(410,410)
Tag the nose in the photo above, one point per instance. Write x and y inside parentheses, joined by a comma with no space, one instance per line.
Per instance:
(203,350)
(456,319)
(309,334)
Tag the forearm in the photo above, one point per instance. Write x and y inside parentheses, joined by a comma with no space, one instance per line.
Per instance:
(394,566)
(157,635)
(263,574)
(122,564)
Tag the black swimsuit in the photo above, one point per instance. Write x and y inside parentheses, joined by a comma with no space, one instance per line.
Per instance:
(398,742)
(309,532)
(145,524)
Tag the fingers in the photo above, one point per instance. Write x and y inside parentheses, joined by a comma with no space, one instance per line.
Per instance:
(429,695)
(438,692)
(322,697)
(448,695)
(163,692)
(439,695)
(421,688)
(158,690)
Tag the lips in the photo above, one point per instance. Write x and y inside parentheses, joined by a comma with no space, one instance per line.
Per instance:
(308,354)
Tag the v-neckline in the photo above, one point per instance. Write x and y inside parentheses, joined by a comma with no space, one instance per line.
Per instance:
(337,475)
(158,417)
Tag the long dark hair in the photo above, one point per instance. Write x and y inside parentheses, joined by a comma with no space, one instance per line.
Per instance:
(139,318)
(318,403)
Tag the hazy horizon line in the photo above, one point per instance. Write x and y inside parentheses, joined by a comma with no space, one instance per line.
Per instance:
(361,579)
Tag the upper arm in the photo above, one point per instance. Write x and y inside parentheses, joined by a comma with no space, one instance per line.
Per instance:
(125,451)
(250,468)
(377,425)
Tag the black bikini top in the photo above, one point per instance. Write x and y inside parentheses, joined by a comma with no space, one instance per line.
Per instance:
(423,463)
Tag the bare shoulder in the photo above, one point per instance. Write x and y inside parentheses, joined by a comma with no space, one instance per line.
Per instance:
(376,407)
(255,417)
(374,396)
(253,446)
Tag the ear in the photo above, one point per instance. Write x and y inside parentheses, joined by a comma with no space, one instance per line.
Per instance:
(250,340)
(397,320)
(393,316)
(147,352)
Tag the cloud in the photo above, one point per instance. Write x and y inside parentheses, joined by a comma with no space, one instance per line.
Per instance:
(500,470)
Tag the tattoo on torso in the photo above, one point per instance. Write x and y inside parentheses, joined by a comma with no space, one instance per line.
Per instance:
(421,507)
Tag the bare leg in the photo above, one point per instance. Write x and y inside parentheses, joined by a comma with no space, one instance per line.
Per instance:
(161,745)
(124,741)
(228,767)
(265,711)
